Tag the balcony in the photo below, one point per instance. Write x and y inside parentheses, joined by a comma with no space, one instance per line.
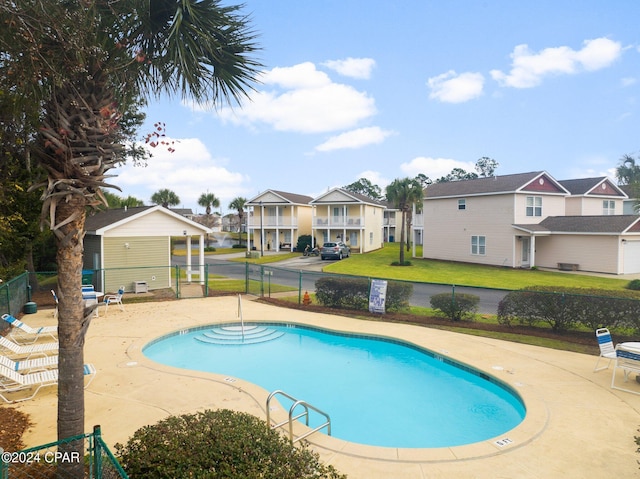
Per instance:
(338,222)
(273,222)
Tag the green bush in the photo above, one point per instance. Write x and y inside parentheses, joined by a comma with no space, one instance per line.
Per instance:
(303,242)
(634,284)
(353,293)
(456,306)
(215,445)
(564,308)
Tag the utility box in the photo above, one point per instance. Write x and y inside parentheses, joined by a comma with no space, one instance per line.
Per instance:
(140,287)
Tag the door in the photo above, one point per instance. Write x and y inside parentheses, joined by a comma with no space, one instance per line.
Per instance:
(526,252)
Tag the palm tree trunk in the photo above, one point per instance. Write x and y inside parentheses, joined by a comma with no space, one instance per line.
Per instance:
(71,333)
(402,237)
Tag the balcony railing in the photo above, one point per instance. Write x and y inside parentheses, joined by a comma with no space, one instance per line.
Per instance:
(273,222)
(338,222)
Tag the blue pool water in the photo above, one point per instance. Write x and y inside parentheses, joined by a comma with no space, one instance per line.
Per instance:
(377,392)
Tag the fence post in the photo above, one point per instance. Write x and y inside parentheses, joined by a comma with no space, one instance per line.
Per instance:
(206,280)
(300,287)
(261,281)
(453,297)
(246,277)
(97,453)
(177,281)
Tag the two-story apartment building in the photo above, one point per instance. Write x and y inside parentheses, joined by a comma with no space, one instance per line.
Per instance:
(278,219)
(355,219)
(531,219)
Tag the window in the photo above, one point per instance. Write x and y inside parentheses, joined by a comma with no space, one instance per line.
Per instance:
(371,238)
(353,238)
(534,205)
(608,207)
(462,204)
(478,245)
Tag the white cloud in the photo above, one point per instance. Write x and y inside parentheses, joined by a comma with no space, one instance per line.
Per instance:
(376,178)
(189,172)
(528,69)
(303,100)
(359,68)
(453,88)
(628,81)
(434,168)
(355,139)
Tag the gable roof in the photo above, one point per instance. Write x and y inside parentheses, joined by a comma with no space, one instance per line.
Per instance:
(286,197)
(108,219)
(342,196)
(601,186)
(602,224)
(496,185)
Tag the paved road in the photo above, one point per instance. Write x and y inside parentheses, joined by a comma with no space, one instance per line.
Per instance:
(304,271)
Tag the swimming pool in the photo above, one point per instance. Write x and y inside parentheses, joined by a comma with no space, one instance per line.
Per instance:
(377,391)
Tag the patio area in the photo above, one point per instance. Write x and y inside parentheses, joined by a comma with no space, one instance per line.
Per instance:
(576,425)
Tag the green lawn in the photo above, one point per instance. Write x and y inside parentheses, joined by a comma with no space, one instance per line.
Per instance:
(377,264)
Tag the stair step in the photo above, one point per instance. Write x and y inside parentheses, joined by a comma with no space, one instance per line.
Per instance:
(235,341)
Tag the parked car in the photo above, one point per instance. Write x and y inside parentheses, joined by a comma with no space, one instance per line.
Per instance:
(336,250)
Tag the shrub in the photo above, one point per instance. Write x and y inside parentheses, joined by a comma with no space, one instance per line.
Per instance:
(353,293)
(218,444)
(563,308)
(341,292)
(303,242)
(634,284)
(456,306)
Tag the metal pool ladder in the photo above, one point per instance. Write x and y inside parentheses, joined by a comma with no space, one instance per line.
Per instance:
(305,414)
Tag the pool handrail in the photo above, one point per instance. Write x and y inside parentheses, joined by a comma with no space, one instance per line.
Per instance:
(305,414)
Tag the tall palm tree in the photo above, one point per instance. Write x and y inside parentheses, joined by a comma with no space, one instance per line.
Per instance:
(239,203)
(165,197)
(403,194)
(119,53)
(208,201)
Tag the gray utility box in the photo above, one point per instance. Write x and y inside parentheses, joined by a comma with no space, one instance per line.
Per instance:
(140,287)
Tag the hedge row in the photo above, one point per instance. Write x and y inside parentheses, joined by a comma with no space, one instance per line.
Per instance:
(456,306)
(566,308)
(353,293)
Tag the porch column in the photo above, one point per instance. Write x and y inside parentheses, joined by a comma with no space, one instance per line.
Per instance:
(188,246)
(532,252)
(201,258)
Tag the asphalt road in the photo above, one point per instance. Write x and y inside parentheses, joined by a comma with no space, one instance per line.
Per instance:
(304,271)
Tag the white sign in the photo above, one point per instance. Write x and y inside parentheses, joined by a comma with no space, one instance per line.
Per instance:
(377,295)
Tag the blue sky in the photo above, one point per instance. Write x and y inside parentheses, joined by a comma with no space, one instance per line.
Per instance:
(390,89)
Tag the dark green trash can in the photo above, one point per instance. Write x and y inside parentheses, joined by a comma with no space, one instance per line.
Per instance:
(87,276)
(30,308)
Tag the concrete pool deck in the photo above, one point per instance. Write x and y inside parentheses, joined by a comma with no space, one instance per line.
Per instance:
(576,425)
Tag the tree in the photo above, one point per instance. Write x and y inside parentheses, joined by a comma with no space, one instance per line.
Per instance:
(403,194)
(486,166)
(239,203)
(208,200)
(115,201)
(165,197)
(628,173)
(457,174)
(84,64)
(364,187)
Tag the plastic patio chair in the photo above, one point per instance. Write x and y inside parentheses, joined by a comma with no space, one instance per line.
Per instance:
(114,299)
(22,333)
(607,349)
(55,298)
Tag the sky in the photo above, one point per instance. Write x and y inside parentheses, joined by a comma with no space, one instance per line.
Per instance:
(382,90)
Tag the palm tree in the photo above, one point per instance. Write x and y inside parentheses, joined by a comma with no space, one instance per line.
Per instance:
(208,200)
(403,193)
(165,197)
(119,54)
(238,204)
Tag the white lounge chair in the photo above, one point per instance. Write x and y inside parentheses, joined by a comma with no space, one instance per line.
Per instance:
(23,333)
(113,299)
(28,350)
(14,382)
(44,362)
(55,298)
(627,359)
(607,349)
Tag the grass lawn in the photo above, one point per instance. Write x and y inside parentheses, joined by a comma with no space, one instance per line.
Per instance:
(377,264)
